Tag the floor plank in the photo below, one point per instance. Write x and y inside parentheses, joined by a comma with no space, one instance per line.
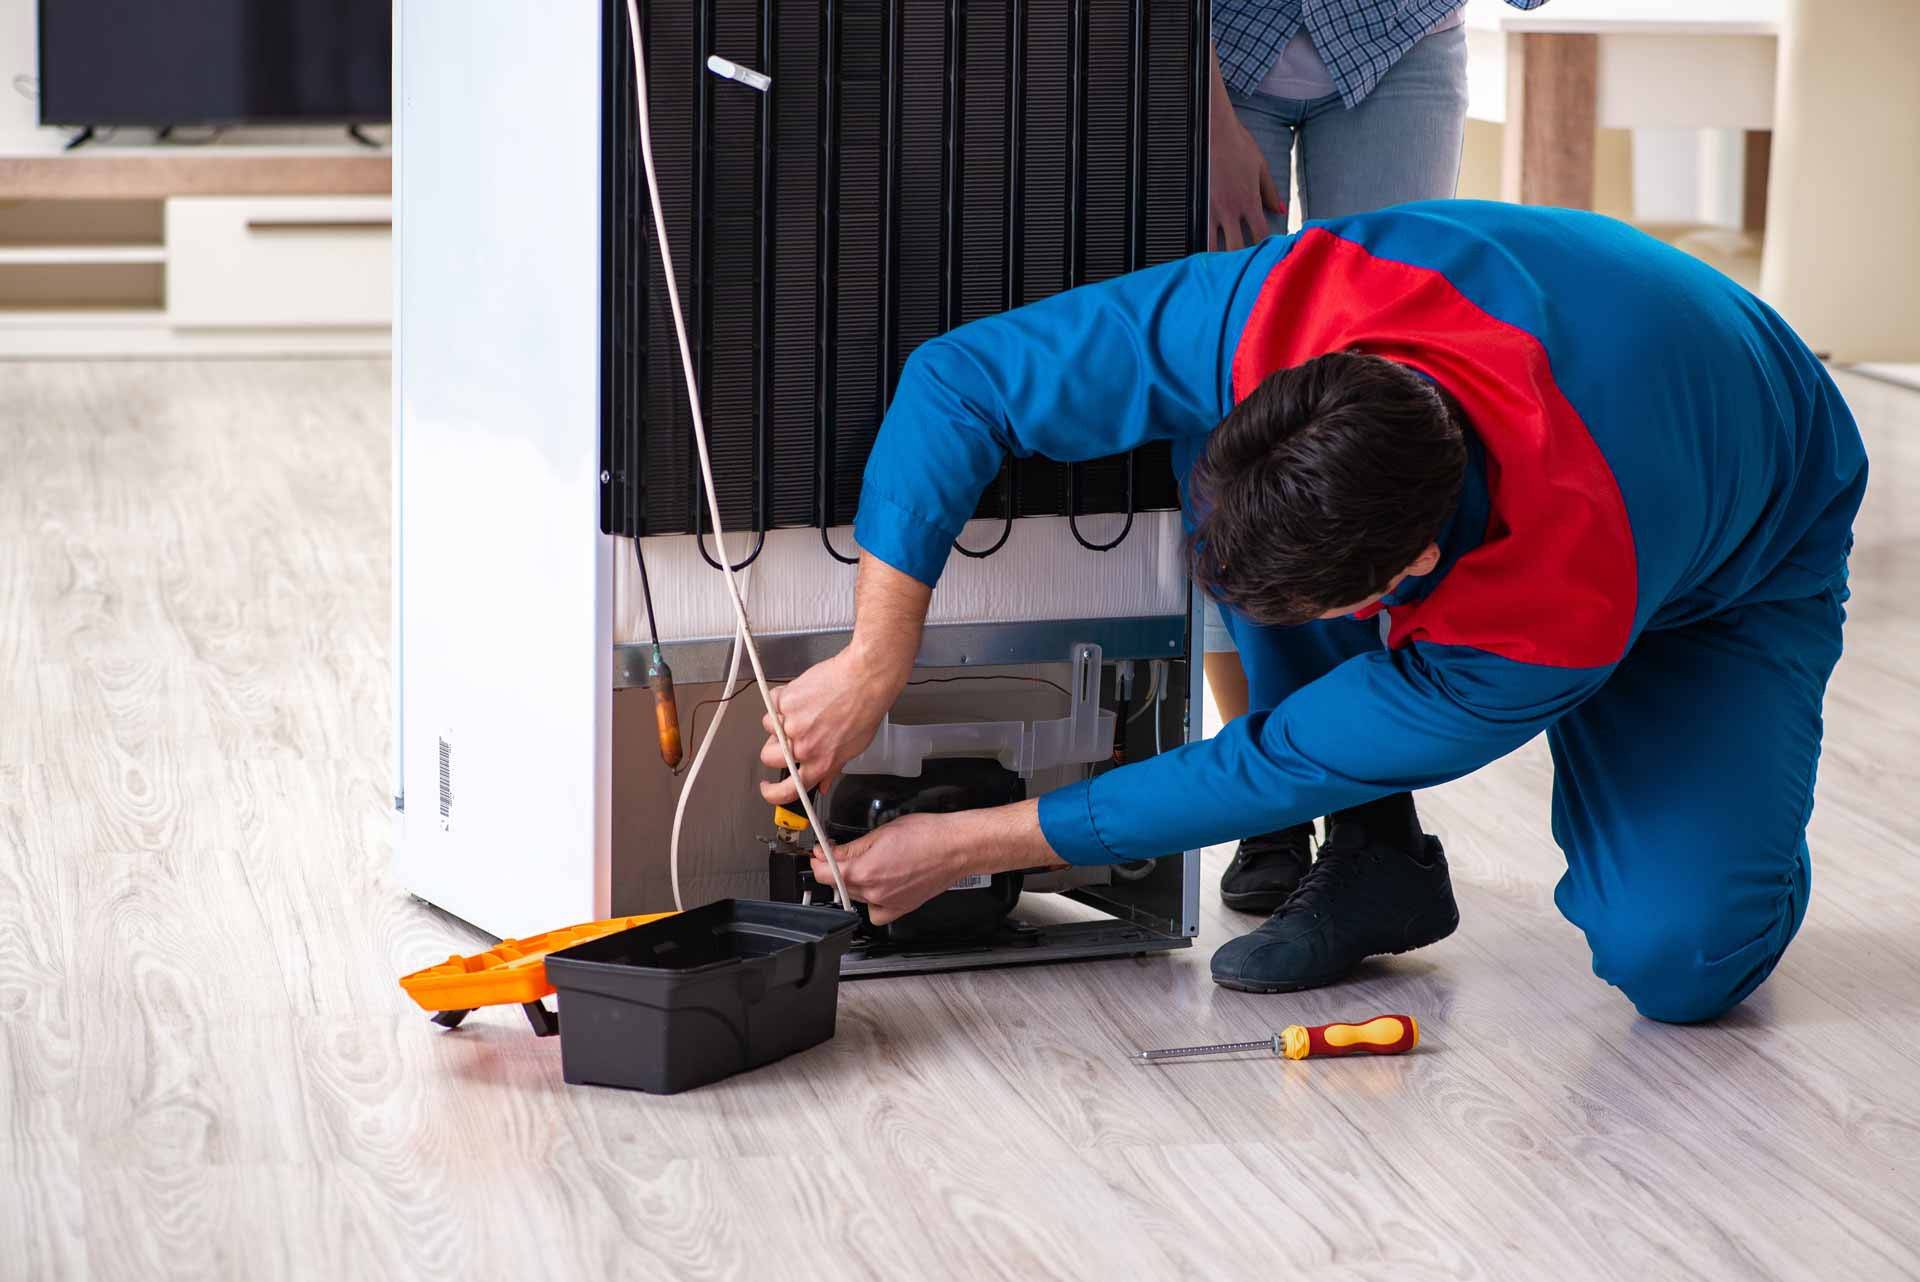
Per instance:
(206,1069)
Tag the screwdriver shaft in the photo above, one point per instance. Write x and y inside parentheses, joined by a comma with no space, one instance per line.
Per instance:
(1221,1048)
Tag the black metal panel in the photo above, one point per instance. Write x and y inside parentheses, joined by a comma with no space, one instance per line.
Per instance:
(920,204)
(796,106)
(728,236)
(917,164)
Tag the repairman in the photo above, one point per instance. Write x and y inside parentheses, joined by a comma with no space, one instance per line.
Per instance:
(1458,473)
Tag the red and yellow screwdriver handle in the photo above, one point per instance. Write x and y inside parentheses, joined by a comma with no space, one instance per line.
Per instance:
(1381,1035)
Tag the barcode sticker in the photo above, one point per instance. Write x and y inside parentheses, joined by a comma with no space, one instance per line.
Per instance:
(979,881)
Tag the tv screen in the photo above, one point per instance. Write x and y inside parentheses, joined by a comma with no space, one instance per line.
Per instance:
(215,62)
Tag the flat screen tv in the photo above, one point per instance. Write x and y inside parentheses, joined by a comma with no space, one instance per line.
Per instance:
(215,62)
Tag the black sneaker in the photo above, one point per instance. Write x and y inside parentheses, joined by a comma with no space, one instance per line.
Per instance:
(1360,898)
(1266,869)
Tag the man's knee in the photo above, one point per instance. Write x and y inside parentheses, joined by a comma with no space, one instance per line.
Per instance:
(1683,969)
(1662,973)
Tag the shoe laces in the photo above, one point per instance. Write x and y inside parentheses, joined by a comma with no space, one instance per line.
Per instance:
(1256,848)
(1336,866)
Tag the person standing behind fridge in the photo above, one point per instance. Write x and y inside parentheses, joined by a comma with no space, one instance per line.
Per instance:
(1368,99)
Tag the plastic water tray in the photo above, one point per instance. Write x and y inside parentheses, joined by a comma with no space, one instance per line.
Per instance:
(1025,747)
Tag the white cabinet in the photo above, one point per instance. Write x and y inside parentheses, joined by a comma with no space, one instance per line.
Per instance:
(279,261)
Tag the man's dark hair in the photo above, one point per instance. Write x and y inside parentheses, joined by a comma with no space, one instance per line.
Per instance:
(1322,485)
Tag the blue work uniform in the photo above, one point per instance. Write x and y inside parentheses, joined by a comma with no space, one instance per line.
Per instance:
(1648,560)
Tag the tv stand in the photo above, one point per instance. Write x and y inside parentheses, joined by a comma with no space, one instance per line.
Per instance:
(185,250)
(85,136)
(170,135)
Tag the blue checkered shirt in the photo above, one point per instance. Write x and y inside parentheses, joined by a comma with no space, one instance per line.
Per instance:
(1358,40)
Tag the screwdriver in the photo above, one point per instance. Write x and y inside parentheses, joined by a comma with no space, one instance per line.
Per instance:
(1381,1035)
(791,819)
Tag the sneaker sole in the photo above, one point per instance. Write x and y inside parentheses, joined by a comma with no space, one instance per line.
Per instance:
(1295,986)
(1322,981)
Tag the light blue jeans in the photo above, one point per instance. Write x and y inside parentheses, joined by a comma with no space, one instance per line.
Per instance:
(1401,143)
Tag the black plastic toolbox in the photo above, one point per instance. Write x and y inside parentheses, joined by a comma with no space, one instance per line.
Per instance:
(699,996)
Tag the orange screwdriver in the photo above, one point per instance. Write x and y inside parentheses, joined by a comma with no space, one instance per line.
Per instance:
(1381,1035)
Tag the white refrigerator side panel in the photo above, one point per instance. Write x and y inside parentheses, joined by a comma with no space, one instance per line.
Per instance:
(505,578)
(398,651)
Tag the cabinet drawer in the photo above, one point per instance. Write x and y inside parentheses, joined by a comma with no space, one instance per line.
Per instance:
(283,261)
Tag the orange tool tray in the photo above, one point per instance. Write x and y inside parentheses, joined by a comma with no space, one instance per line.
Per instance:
(512,972)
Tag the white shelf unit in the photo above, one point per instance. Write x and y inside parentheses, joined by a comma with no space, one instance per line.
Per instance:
(150,274)
(77,255)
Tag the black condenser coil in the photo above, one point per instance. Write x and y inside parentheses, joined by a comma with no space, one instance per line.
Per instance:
(916,165)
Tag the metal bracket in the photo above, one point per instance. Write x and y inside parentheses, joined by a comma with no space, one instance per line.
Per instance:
(943,645)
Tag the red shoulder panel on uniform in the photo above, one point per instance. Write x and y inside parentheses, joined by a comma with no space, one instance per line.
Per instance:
(1555,580)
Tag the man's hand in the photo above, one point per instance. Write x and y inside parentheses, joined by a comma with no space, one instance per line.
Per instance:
(833,711)
(1240,186)
(901,865)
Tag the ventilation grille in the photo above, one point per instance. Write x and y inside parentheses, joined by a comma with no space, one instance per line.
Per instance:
(917,165)
(446,782)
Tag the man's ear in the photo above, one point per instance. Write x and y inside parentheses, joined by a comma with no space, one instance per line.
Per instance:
(1424,563)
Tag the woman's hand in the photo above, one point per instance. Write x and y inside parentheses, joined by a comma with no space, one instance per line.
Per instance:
(1240,187)
(903,864)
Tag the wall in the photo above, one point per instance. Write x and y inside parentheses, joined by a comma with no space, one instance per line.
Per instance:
(18,65)
(1613,168)
(1843,257)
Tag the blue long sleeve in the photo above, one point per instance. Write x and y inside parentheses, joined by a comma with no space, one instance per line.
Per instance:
(1595,527)
(1085,374)
(1106,368)
(1380,723)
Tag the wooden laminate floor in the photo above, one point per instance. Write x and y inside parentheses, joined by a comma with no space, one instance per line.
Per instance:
(207,1070)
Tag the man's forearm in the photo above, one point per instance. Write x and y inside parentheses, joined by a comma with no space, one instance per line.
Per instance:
(1008,837)
(890,611)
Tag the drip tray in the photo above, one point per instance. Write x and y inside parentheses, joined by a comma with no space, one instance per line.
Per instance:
(1017,942)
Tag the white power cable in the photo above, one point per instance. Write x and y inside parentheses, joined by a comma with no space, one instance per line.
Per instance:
(1153,692)
(1158,717)
(743,634)
(699,756)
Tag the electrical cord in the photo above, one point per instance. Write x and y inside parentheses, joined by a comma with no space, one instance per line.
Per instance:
(699,758)
(693,722)
(942,681)
(646,594)
(1153,690)
(1160,697)
(743,633)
